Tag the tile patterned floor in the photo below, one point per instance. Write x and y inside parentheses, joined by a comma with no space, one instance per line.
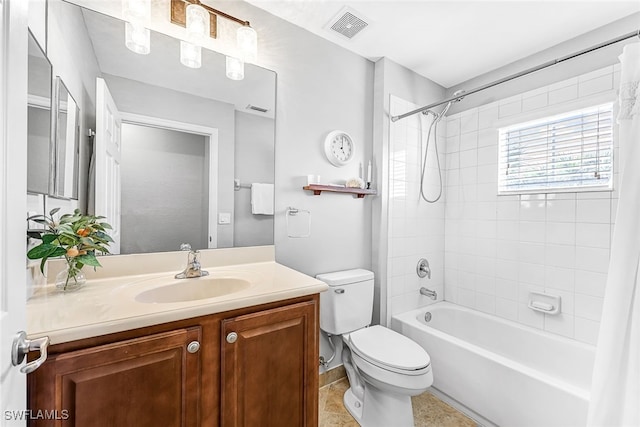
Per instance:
(428,410)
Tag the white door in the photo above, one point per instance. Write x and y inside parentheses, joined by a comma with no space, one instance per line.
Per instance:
(13,205)
(108,155)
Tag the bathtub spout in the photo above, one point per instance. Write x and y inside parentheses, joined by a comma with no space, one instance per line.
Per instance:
(428,293)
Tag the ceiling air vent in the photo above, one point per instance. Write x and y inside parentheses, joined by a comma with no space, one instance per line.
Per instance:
(254,108)
(347,23)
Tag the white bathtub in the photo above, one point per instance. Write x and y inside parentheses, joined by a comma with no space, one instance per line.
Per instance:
(510,374)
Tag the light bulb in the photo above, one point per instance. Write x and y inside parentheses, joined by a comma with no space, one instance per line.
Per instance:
(248,44)
(137,11)
(137,14)
(197,24)
(190,55)
(235,68)
(137,38)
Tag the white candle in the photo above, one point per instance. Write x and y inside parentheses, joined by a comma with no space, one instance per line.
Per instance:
(369,172)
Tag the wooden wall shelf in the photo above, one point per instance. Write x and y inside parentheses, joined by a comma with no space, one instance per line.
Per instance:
(360,192)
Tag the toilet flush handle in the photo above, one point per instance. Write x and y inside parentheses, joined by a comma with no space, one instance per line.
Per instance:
(339,291)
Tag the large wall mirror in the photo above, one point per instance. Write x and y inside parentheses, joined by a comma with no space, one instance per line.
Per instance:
(39,122)
(52,130)
(184,136)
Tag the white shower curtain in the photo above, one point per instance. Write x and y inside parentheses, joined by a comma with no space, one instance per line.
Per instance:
(615,390)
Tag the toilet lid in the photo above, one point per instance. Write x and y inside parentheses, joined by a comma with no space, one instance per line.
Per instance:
(382,346)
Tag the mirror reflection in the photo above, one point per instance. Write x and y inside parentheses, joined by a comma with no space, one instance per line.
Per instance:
(38,119)
(66,143)
(170,140)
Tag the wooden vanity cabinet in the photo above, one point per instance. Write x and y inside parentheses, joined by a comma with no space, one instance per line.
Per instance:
(255,366)
(269,368)
(146,381)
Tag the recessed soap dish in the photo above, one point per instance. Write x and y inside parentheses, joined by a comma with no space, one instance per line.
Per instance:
(544,303)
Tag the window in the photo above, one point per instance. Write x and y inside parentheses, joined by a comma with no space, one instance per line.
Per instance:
(567,152)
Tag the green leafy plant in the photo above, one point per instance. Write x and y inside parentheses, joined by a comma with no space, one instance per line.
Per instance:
(75,236)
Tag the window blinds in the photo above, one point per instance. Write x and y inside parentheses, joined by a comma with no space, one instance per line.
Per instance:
(571,151)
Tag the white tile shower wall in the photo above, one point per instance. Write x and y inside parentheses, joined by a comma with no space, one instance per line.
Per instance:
(416,228)
(498,248)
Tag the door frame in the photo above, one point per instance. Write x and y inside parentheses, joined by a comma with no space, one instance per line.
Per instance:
(13,201)
(211,139)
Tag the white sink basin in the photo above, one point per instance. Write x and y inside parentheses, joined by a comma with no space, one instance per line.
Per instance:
(182,290)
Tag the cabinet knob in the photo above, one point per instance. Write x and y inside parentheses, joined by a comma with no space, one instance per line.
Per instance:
(232,337)
(193,347)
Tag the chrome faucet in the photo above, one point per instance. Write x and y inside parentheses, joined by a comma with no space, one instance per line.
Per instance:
(428,293)
(193,269)
(423,269)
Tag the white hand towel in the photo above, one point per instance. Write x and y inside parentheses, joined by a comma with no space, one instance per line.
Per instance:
(261,199)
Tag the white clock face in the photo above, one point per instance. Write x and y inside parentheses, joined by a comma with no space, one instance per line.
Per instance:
(342,147)
(339,148)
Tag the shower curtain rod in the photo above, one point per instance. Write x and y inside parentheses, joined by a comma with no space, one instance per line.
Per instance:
(520,74)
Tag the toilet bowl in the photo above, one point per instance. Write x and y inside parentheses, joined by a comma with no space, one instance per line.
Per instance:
(384,367)
(390,359)
(389,368)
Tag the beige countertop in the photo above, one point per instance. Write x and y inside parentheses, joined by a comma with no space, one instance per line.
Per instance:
(108,304)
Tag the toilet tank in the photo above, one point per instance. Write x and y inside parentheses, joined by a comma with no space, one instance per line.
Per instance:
(348,304)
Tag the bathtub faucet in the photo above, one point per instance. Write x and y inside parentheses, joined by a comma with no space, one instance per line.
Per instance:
(428,293)
(423,269)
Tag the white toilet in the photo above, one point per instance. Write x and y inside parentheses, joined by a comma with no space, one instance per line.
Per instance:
(384,367)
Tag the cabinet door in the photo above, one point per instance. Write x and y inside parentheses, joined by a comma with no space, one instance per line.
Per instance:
(270,369)
(148,381)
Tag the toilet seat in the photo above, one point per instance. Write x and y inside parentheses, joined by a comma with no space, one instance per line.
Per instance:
(389,350)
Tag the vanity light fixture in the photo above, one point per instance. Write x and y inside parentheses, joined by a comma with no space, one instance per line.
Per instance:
(137,14)
(197,29)
(235,68)
(197,23)
(137,38)
(190,55)
(248,44)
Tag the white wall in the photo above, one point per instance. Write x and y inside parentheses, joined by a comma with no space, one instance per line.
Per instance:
(164,199)
(498,248)
(255,146)
(396,217)
(416,228)
(73,59)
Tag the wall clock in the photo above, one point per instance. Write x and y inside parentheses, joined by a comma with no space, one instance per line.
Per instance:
(339,148)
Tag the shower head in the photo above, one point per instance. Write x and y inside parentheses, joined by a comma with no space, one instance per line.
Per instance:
(458,99)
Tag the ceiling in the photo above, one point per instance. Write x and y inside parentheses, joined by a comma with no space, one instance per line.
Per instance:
(453,41)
